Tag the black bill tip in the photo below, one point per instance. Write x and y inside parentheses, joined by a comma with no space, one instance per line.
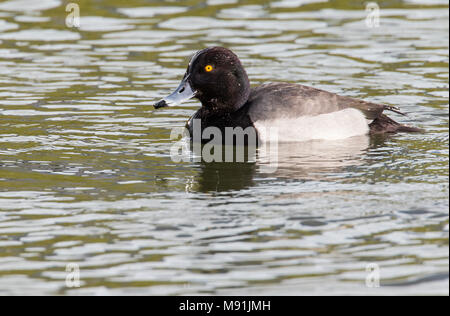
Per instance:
(160,104)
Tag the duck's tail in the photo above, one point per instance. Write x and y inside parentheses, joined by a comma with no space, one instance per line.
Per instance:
(384,124)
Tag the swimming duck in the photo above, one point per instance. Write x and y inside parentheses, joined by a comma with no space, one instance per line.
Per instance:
(216,77)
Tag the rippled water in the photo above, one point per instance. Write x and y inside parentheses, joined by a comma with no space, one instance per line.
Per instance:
(86,175)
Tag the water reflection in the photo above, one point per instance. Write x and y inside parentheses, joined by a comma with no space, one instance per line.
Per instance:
(226,176)
(311,160)
(315,160)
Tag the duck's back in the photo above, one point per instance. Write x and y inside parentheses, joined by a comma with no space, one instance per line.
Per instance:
(287,100)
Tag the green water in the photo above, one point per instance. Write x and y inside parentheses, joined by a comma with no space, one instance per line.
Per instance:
(86,175)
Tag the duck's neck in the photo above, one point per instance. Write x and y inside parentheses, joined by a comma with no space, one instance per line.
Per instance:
(216,107)
(213,110)
(229,98)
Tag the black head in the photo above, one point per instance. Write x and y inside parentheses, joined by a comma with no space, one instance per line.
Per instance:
(216,77)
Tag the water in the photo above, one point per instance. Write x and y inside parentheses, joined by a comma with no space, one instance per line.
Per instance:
(86,175)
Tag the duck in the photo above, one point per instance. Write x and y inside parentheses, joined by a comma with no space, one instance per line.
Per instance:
(286,112)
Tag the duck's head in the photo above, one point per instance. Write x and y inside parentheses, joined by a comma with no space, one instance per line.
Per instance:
(216,77)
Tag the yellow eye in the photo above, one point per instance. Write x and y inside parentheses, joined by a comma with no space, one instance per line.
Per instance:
(209,68)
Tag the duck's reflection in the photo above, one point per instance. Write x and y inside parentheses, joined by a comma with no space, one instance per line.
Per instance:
(226,176)
(315,160)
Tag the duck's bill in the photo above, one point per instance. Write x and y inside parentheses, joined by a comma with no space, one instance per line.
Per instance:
(182,94)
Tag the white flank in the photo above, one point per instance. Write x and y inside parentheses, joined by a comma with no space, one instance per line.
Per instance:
(330,126)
